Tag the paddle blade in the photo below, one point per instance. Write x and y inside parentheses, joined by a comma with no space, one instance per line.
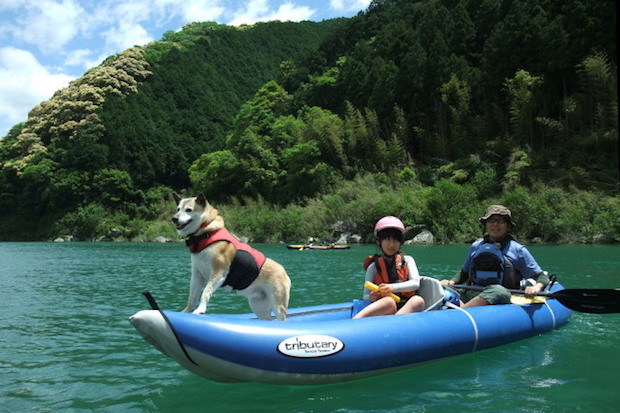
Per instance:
(595,301)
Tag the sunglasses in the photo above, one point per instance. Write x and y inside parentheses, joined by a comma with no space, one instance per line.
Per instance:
(496,221)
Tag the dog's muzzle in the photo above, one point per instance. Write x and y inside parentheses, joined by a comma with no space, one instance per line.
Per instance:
(175,220)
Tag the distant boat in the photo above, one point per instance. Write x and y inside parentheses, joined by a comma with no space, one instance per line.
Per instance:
(301,247)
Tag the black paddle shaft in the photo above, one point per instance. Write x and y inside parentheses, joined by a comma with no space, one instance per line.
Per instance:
(593,300)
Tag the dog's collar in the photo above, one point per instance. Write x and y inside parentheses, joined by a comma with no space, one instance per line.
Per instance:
(194,241)
(203,225)
(197,243)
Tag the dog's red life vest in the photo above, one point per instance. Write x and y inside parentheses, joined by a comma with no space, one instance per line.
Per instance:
(399,271)
(246,264)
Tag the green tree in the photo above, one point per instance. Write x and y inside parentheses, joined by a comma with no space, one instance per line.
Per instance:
(305,172)
(113,187)
(261,111)
(326,129)
(216,174)
(521,91)
(455,95)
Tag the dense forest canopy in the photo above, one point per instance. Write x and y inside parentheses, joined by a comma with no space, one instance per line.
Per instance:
(432,102)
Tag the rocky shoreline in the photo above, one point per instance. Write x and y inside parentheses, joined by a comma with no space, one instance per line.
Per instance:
(344,232)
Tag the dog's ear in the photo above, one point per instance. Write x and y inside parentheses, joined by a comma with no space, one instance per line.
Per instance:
(201,200)
(176,196)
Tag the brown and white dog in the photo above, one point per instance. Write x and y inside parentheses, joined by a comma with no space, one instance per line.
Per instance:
(219,259)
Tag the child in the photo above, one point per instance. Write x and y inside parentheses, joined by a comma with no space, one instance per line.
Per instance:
(394,273)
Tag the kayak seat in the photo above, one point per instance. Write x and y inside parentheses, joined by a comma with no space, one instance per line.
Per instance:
(432,292)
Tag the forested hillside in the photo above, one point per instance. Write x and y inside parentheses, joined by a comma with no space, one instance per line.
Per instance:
(426,109)
(116,139)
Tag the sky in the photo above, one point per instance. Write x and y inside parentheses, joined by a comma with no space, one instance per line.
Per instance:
(44,44)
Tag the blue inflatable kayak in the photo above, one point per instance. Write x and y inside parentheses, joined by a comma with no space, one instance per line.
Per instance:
(322,344)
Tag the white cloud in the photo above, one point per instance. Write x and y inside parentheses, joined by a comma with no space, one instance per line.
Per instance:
(24,83)
(124,24)
(199,10)
(291,12)
(78,57)
(259,10)
(349,5)
(126,34)
(250,12)
(48,25)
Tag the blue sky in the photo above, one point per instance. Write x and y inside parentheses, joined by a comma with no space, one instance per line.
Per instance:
(44,44)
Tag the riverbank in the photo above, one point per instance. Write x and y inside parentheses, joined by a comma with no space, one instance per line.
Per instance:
(446,213)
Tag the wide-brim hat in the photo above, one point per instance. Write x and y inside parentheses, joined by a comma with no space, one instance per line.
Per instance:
(497,210)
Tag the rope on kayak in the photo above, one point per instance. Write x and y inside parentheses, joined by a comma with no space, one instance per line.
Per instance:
(552,278)
(552,314)
(473,323)
(150,299)
(155,306)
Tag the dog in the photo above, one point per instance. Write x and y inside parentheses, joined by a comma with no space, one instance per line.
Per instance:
(220,259)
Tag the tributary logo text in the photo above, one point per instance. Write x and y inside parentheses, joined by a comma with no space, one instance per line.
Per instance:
(312,345)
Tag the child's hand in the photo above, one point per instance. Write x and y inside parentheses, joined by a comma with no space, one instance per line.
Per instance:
(375,295)
(385,289)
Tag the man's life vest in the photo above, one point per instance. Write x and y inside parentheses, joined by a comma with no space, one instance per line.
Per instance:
(489,265)
(246,264)
(390,270)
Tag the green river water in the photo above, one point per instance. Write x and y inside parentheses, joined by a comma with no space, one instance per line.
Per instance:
(66,344)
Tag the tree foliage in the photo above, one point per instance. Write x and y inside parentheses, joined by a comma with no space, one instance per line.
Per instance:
(473,100)
(146,113)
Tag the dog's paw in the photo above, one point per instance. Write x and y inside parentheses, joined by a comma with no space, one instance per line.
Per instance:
(199,310)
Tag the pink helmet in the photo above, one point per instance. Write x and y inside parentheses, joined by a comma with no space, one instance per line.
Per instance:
(389,222)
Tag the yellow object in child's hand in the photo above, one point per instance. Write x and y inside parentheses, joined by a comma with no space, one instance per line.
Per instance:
(374,288)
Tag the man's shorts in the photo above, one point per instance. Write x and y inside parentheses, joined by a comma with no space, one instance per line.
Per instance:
(494,294)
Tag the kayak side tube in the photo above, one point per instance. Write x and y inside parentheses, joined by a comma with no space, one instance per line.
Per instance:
(322,344)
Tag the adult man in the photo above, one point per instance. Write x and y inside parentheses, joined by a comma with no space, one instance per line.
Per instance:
(497,262)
